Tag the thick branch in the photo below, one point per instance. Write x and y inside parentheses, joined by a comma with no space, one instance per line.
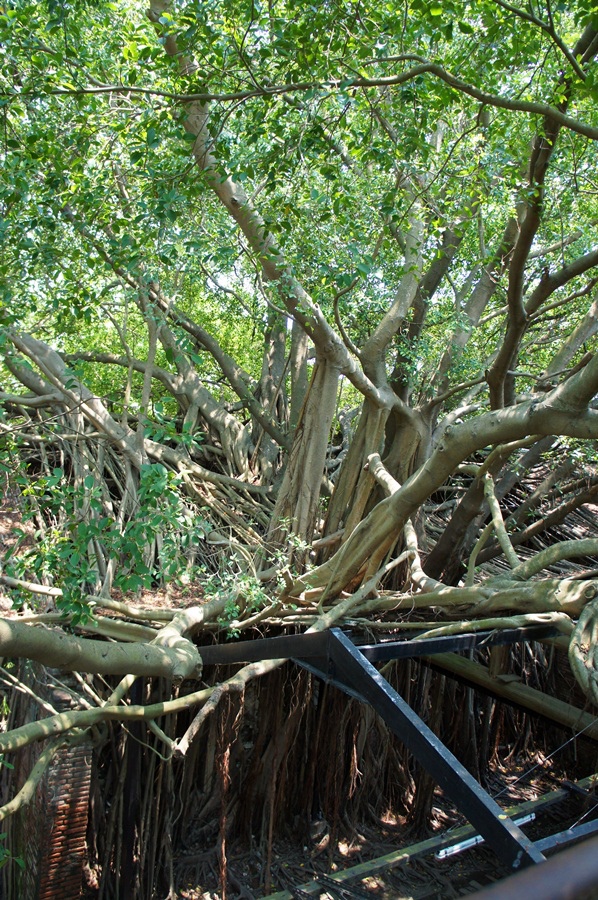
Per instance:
(554,554)
(542,151)
(55,370)
(555,415)
(166,659)
(516,105)
(562,595)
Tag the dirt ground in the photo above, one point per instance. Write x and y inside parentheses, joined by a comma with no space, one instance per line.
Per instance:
(427,877)
(422,879)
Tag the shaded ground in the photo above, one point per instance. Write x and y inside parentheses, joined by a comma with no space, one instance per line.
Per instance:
(425,878)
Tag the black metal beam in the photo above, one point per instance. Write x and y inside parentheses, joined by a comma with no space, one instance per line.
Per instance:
(452,643)
(570,836)
(286,646)
(310,645)
(332,656)
(506,839)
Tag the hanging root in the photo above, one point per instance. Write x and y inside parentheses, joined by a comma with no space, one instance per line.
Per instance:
(583,651)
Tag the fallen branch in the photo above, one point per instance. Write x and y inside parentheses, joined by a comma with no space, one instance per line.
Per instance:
(31,586)
(167,659)
(554,554)
(501,595)
(559,620)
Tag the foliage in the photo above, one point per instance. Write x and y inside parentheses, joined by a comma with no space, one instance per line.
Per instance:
(76,526)
(6,856)
(293,298)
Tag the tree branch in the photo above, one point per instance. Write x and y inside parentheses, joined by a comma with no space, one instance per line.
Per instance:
(165,657)
(554,554)
(425,67)
(556,414)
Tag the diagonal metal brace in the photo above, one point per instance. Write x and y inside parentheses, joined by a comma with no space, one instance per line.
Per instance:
(352,669)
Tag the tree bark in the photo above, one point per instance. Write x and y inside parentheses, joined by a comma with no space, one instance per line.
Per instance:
(296,508)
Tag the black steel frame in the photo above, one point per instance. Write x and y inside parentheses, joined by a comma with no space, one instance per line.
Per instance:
(335,658)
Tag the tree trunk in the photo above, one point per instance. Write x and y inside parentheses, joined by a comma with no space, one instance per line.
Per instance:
(354,486)
(296,509)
